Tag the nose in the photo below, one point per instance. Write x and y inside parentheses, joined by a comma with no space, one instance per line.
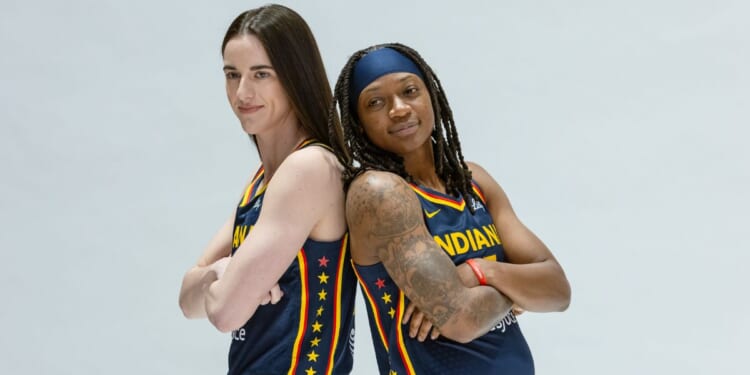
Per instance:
(245,90)
(399,108)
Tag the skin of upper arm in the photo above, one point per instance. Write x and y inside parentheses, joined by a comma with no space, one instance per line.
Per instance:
(532,277)
(221,244)
(192,294)
(386,225)
(520,244)
(296,199)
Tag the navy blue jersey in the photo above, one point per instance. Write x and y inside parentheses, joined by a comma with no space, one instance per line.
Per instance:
(311,329)
(462,235)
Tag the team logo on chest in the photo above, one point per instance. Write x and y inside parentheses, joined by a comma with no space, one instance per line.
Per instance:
(476,205)
(474,239)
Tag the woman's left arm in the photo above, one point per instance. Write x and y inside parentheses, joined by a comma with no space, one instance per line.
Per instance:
(305,189)
(531,276)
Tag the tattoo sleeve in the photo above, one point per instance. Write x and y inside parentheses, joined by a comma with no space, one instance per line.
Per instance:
(385,216)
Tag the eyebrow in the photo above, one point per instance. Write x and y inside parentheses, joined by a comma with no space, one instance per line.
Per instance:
(400,80)
(254,67)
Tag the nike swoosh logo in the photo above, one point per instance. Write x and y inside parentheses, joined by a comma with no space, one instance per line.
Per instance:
(431,214)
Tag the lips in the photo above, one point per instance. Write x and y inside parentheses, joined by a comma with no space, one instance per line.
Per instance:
(247,109)
(403,128)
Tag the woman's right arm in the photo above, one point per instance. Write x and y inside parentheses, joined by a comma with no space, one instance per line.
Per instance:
(208,269)
(386,225)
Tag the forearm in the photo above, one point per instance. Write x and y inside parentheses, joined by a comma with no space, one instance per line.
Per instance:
(483,308)
(193,291)
(431,282)
(223,311)
(386,223)
(540,287)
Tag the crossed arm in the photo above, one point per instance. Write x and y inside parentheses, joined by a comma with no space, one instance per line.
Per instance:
(303,190)
(209,267)
(530,276)
(386,225)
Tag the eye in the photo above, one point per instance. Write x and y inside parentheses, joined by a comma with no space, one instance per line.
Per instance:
(232,75)
(262,74)
(374,103)
(411,90)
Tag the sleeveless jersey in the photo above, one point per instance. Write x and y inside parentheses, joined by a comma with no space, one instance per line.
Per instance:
(462,235)
(311,329)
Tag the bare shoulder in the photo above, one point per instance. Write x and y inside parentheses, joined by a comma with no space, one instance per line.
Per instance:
(313,160)
(383,203)
(376,191)
(306,192)
(309,178)
(479,174)
(494,193)
(378,180)
(310,172)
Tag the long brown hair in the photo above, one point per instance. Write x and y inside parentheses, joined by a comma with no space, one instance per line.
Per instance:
(294,55)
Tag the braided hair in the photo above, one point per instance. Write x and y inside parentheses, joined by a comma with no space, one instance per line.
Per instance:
(362,155)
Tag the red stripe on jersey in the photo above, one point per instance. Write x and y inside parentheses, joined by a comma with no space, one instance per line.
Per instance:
(400,336)
(373,307)
(457,204)
(337,304)
(479,192)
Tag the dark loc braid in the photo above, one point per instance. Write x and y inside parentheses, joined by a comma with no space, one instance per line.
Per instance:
(449,160)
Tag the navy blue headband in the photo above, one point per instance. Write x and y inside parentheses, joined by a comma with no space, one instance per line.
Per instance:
(377,64)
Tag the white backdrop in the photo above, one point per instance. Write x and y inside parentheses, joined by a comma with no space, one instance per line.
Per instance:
(616,128)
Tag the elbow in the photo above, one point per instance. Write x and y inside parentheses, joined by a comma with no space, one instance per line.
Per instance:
(557,295)
(184,307)
(225,318)
(479,315)
(459,334)
(187,308)
(562,298)
(564,292)
(222,324)
(223,321)
(565,296)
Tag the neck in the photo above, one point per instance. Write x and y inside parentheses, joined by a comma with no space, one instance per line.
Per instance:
(274,148)
(421,167)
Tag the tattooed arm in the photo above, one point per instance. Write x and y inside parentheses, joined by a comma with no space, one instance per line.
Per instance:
(386,225)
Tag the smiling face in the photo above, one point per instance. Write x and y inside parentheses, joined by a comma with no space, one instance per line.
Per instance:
(396,113)
(253,87)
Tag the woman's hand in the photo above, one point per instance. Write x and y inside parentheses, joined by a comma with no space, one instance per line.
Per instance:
(219,266)
(274,296)
(420,326)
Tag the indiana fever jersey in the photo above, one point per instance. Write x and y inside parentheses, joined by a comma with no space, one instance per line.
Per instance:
(311,329)
(462,235)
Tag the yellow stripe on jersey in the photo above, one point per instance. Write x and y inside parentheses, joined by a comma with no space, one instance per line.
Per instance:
(316,142)
(302,311)
(337,304)
(305,143)
(373,307)
(246,198)
(479,192)
(456,204)
(400,336)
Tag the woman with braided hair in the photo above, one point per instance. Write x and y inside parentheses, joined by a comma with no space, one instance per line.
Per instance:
(434,240)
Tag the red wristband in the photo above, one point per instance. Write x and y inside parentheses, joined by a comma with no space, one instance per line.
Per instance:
(477,272)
